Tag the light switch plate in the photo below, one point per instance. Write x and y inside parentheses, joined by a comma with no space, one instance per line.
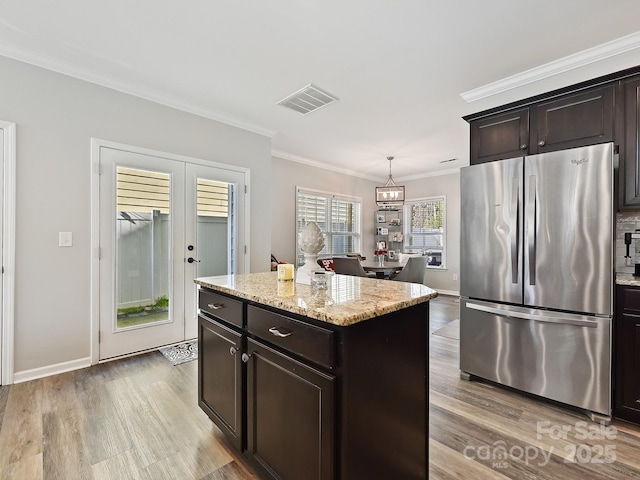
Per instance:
(65,239)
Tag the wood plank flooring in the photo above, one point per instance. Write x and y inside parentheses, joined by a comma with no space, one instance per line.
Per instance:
(484,431)
(138,418)
(135,418)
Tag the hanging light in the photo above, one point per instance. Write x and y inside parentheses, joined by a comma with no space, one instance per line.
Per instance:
(391,195)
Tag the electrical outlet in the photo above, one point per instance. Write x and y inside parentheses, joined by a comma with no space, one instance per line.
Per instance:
(455,277)
(65,239)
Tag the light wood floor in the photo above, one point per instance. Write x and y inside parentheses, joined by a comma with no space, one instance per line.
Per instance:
(483,431)
(138,418)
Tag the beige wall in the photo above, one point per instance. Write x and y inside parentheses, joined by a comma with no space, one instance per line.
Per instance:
(56,116)
(287,175)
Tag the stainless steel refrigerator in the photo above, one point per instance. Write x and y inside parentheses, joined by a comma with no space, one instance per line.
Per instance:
(536,278)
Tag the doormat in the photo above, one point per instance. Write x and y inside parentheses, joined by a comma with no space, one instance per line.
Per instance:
(182,353)
(450,330)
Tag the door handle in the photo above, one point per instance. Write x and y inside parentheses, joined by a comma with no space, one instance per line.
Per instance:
(191,260)
(515,237)
(531,229)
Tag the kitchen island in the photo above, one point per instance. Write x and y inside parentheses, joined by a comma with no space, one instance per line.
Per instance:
(317,384)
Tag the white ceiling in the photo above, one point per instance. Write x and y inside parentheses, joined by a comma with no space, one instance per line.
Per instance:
(398,67)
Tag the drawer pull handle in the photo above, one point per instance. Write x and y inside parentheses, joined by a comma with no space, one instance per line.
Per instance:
(278,333)
(215,306)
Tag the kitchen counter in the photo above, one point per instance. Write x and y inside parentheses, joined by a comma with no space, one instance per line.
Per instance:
(347,301)
(325,384)
(627,279)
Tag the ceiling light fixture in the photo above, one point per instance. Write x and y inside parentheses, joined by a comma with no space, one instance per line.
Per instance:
(391,195)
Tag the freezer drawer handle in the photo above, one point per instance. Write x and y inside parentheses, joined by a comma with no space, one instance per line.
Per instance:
(532,316)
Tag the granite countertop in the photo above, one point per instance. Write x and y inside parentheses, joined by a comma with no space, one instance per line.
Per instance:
(627,279)
(347,301)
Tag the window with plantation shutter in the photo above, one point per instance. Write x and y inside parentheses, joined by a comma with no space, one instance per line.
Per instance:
(425,229)
(337,216)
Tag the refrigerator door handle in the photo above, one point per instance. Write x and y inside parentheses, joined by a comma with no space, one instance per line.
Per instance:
(531,229)
(544,316)
(515,238)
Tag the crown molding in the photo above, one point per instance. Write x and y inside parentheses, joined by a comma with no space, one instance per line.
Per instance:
(162,98)
(313,163)
(571,62)
(433,173)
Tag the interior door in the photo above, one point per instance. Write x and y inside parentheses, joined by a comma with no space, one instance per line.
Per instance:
(163,222)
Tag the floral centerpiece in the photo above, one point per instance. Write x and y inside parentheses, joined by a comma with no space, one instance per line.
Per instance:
(380,253)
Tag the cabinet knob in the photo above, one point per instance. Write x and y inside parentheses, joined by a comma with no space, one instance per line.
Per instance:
(245,357)
(523,146)
(233,350)
(542,143)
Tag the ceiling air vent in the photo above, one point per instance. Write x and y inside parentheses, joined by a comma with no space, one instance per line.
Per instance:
(307,99)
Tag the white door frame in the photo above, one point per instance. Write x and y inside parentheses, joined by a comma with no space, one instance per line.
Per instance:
(8,251)
(96,144)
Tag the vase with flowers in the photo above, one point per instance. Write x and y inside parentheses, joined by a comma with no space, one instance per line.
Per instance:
(380,254)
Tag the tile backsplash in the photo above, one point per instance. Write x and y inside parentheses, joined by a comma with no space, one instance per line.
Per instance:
(627,222)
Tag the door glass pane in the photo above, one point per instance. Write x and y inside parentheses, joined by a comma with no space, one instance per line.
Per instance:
(214,227)
(143,247)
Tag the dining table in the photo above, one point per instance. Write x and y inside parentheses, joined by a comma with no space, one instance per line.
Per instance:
(383,268)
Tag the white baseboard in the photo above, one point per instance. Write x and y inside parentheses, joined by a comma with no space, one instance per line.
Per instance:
(448,292)
(35,373)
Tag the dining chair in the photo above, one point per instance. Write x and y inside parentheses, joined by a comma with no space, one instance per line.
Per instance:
(413,271)
(350,266)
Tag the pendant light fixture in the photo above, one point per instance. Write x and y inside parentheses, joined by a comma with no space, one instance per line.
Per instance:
(391,195)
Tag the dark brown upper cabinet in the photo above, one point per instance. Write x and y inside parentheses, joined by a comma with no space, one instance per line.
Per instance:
(570,120)
(629,152)
(577,120)
(500,136)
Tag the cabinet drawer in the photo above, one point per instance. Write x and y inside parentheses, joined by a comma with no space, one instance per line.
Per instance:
(221,306)
(307,341)
(630,299)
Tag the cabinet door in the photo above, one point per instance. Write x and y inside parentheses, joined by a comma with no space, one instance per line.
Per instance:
(627,355)
(630,153)
(574,121)
(220,378)
(501,136)
(290,416)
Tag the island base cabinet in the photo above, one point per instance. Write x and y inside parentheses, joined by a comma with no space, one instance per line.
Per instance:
(385,398)
(220,377)
(290,416)
(627,354)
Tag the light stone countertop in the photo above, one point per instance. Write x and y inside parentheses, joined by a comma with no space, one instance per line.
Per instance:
(348,300)
(627,279)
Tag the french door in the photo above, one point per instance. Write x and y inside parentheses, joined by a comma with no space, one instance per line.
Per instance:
(163,222)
